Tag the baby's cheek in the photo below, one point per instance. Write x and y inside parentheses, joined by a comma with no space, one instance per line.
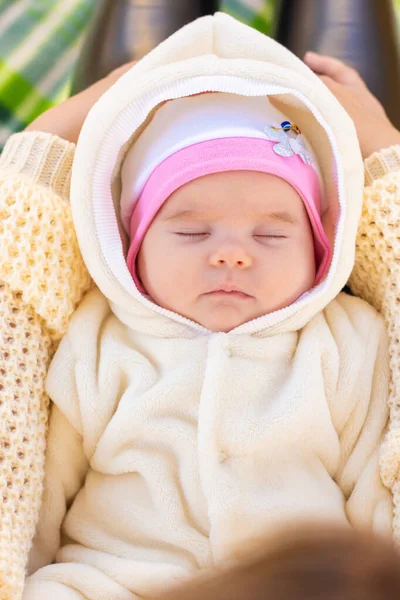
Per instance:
(173,277)
(288,270)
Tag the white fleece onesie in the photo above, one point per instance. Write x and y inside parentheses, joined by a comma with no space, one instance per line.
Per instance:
(169,444)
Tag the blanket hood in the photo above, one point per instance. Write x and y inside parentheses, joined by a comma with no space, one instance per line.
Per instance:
(214,53)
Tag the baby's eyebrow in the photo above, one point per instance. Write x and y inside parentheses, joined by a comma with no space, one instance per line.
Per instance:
(284,216)
(188,214)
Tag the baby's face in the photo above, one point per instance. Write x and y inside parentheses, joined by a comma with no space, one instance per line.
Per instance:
(241,230)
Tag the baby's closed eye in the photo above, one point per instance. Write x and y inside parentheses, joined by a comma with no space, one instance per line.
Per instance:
(192,235)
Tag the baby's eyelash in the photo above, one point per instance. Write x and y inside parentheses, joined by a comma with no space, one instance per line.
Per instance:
(190,235)
(269,236)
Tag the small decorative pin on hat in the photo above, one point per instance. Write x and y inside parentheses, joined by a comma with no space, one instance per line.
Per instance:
(288,144)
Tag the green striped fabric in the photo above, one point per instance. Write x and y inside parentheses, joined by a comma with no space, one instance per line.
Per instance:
(39,45)
(40,42)
(260,14)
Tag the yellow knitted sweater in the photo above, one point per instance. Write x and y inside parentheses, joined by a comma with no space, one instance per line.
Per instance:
(43,278)
(376,279)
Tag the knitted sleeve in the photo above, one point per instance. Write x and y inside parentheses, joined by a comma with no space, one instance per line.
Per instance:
(376,279)
(42,279)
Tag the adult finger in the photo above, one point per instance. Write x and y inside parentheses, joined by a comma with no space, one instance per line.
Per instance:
(334,68)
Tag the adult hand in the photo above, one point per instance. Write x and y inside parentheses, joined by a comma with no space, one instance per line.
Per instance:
(374,129)
(66,119)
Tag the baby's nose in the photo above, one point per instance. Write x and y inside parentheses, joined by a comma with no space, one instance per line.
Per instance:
(231,256)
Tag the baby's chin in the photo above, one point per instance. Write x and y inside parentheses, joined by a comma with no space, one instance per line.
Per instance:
(224,319)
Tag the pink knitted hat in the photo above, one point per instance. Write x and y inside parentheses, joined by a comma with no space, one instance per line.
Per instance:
(199,135)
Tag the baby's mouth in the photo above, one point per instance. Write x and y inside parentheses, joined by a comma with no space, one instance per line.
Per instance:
(229,291)
(233,294)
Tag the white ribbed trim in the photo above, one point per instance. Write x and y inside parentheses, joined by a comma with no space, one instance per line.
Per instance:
(128,121)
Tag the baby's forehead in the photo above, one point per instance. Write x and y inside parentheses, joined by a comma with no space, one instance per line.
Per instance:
(243,192)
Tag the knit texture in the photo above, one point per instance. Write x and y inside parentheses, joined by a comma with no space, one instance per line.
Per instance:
(42,279)
(376,278)
(170,445)
(37,300)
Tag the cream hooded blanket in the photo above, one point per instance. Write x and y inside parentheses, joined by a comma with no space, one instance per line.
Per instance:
(170,445)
